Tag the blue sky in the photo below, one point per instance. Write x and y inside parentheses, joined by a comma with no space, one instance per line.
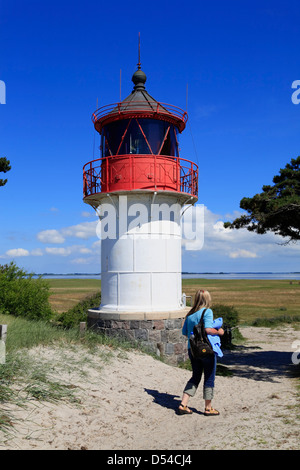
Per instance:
(239,60)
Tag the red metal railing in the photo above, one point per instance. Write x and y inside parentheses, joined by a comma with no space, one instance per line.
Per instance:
(152,109)
(133,171)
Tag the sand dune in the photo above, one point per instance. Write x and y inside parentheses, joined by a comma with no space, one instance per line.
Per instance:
(129,401)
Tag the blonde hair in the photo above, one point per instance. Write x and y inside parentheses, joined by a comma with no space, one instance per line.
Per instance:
(202,300)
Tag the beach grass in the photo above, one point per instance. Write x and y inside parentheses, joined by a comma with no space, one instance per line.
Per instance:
(23,376)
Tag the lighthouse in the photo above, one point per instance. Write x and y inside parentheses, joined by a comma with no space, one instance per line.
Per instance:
(138,186)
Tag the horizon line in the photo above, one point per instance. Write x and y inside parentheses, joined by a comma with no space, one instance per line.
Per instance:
(183,272)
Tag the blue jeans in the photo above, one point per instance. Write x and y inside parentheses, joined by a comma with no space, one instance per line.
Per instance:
(199,366)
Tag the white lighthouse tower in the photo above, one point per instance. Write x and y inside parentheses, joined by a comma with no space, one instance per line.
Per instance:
(139,186)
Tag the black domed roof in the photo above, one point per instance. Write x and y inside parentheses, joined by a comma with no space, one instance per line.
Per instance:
(139,79)
(139,104)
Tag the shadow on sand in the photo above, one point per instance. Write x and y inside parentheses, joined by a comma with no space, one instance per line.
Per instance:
(167,400)
(251,363)
(247,362)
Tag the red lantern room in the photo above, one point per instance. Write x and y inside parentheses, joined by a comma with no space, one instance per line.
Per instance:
(139,148)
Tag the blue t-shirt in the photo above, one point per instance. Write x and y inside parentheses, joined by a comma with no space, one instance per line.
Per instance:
(209,322)
(194,319)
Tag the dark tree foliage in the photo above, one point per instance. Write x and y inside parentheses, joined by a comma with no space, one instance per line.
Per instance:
(4,168)
(276,208)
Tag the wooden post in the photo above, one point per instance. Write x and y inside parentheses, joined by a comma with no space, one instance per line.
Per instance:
(82,327)
(3,332)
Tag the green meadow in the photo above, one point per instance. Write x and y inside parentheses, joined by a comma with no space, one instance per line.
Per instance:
(65,293)
(251,298)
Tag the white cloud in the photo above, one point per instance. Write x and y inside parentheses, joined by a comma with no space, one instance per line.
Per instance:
(242,254)
(84,250)
(97,245)
(239,250)
(59,251)
(16,252)
(50,236)
(219,227)
(87,214)
(85,261)
(84,231)
(36,252)
(69,250)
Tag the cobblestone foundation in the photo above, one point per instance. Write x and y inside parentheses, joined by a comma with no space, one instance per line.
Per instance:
(161,337)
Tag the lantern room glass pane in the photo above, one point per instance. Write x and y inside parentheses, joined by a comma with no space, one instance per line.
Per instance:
(170,146)
(134,141)
(137,142)
(112,136)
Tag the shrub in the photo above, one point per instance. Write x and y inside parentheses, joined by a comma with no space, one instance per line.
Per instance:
(22,295)
(230,320)
(229,314)
(78,313)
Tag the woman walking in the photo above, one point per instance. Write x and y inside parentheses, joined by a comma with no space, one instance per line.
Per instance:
(206,366)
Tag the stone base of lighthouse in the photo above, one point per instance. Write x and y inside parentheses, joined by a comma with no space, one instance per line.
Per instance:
(159,333)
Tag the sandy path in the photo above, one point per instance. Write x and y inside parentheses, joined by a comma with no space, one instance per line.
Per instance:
(129,402)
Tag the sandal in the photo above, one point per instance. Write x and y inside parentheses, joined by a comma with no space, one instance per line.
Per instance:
(185,410)
(211,412)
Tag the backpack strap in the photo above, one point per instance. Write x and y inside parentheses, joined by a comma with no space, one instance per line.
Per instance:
(200,325)
(202,315)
